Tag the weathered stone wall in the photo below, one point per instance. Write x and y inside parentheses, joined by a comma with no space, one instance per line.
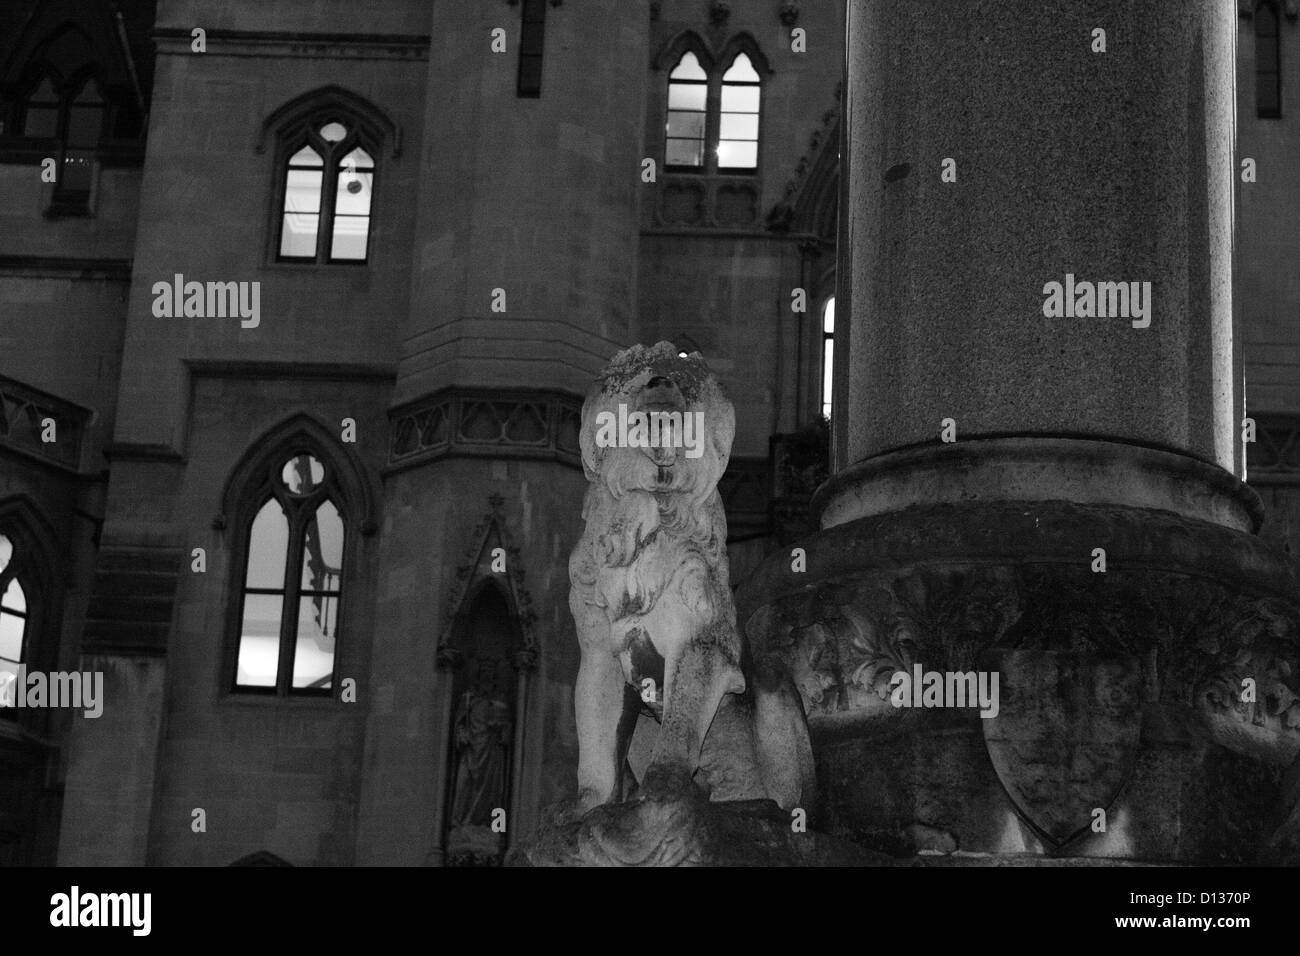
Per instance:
(1267,285)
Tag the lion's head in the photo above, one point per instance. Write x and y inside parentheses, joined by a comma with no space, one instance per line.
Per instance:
(657,422)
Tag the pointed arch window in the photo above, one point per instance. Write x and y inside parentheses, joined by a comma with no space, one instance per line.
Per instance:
(738,126)
(713,115)
(688,95)
(327,188)
(828,355)
(71,116)
(1268,57)
(13,622)
(28,604)
(292,573)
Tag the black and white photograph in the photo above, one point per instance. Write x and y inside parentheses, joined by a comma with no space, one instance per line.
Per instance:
(852,437)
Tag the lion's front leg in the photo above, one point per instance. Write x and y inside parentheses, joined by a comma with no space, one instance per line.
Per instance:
(598,706)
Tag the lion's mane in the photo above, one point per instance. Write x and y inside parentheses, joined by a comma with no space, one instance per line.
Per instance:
(638,534)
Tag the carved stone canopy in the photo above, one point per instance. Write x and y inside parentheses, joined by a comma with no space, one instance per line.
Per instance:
(490,542)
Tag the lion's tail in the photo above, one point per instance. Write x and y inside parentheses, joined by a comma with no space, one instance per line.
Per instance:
(781,740)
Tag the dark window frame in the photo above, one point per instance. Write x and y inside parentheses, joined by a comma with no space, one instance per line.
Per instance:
(532,45)
(1268,83)
(63,200)
(66,56)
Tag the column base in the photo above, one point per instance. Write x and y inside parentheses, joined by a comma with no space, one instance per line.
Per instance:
(1147,711)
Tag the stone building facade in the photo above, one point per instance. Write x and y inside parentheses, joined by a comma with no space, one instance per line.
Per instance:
(418,236)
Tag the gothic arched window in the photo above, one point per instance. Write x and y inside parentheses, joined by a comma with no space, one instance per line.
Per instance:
(292,572)
(28,608)
(328,184)
(688,95)
(712,123)
(738,119)
(71,115)
(828,355)
(1268,60)
(13,621)
(328,143)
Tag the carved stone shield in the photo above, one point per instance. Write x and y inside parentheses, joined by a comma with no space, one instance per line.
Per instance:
(1065,737)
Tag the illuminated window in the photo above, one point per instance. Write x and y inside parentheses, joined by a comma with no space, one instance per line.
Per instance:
(329,181)
(738,127)
(292,575)
(712,122)
(688,94)
(828,354)
(13,622)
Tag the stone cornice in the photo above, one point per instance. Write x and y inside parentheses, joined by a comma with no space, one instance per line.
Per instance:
(237,368)
(274,44)
(60,266)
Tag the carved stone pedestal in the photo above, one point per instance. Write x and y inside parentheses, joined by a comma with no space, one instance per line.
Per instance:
(688,831)
(1157,698)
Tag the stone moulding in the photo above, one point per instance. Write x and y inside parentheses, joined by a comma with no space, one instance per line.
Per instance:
(497,423)
(1040,468)
(279,44)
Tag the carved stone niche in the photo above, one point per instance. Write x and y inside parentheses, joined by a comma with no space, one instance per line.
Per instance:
(1159,698)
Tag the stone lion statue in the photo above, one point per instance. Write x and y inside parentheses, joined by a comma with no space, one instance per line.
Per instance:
(652,602)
